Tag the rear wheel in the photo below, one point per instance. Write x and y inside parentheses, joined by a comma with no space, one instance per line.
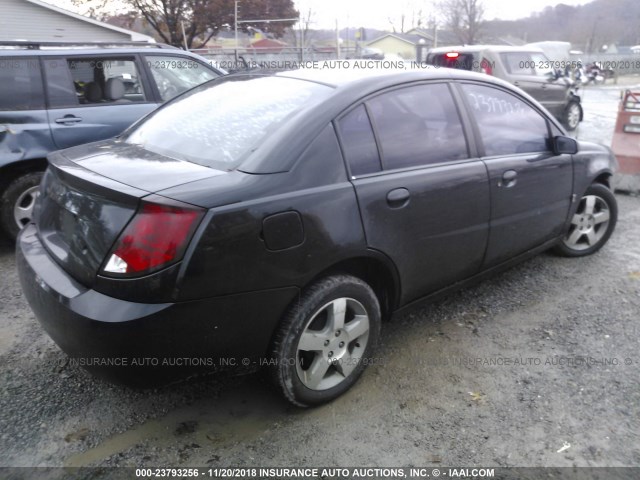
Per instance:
(18,200)
(325,340)
(592,224)
(571,117)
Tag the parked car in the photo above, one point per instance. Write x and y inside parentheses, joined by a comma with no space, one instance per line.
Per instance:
(277,219)
(525,67)
(58,95)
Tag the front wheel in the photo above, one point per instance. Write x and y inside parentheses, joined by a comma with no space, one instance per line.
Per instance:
(325,340)
(571,117)
(592,224)
(18,200)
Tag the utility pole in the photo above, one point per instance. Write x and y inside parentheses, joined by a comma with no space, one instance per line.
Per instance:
(301,37)
(337,40)
(235,29)
(184,36)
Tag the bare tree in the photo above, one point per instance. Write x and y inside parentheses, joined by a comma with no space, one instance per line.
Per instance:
(202,19)
(406,16)
(464,18)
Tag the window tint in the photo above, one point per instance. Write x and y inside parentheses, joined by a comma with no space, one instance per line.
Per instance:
(21,84)
(542,64)
(418,126)
(507,124)
(93,81)
(518,63)
(358,142)
(453,59)
(218,125)
(174,75)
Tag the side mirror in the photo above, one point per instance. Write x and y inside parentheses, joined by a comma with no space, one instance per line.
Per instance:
(564,145)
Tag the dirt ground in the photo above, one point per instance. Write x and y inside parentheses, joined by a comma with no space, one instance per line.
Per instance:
(505,373)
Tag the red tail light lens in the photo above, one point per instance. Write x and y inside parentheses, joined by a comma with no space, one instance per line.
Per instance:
(485,65)
(156,237)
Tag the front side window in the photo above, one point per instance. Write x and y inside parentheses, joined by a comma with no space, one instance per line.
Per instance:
(219,125)
(518,63)
(507,124)
(358,142)
(542,65)
(21,84)
(417,126)
(93,81)
(174,75)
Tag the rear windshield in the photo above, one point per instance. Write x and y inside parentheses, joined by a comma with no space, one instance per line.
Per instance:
(461,61)
(218,125)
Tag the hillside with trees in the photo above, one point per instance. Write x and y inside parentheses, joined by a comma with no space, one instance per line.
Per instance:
(587,27)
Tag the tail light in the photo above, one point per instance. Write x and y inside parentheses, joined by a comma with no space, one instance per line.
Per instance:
(486,67)
(155,238)
(452,55)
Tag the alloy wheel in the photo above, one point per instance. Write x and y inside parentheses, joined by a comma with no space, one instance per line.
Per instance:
(332,344)
(589,224)
(23,208)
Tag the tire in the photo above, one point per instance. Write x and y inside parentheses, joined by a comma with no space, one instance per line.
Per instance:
(592,224)
(571,116)
(318,354)
(16,205)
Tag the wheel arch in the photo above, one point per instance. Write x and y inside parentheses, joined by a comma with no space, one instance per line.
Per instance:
(10,171)
(604,179)
(374,268)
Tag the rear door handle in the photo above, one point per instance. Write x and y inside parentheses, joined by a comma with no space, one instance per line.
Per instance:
(509,179)
(68,120)
(398,198)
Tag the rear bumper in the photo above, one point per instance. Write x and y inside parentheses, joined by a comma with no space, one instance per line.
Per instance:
(139,343)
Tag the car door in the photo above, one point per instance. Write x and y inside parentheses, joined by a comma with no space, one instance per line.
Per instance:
(94,97)
(423,200)
(531,187)
(24,130)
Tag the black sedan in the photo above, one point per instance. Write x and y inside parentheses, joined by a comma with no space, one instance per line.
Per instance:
(276,219)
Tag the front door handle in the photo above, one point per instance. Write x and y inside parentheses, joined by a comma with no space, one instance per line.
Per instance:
(398,198)
(68,120)
(509,179)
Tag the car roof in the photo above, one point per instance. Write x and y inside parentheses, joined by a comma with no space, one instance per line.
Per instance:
(349,87)
(22,48)
(375,74)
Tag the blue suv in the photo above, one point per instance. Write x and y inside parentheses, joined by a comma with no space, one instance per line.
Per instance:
(58,95)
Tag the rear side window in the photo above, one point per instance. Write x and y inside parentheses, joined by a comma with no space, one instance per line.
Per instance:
(453,59)
(358,142)
(507,125)
(21,84)
(219,125)
(418,126)
(93,81)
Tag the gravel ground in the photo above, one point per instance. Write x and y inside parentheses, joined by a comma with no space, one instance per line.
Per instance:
(500,374)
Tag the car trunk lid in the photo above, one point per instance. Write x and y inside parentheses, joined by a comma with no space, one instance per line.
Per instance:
(85,204)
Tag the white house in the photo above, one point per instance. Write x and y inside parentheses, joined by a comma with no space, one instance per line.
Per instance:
(34,20)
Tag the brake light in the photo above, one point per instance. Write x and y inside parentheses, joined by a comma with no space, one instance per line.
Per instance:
(156,237)
(452,55)
(486,67)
